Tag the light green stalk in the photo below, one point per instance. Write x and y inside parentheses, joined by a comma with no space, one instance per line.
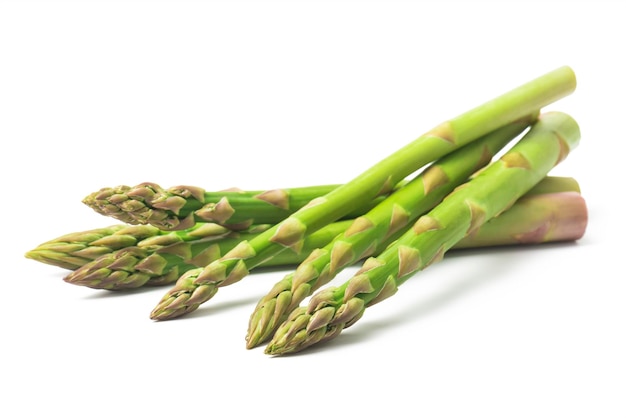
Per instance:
(559,216)
(199,285)
(460,214)
(181,207)
(71,251)
(370,231)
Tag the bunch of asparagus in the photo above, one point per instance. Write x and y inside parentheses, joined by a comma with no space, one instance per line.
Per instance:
(386,225)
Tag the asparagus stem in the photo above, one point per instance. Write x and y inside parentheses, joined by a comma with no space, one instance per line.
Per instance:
(199,285)
(181,207)
(460,214)
(385,221)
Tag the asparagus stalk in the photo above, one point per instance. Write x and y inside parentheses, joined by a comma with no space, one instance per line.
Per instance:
(137,266)
(199,285)
(460,214)
(384,221)
(71,251)
(181,207)
(553,217)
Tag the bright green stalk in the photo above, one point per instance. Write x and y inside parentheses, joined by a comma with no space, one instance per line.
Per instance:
(376,227)
(134,267)
(199,285)
(559,216)
(460,214)
(71,251)
(181,207)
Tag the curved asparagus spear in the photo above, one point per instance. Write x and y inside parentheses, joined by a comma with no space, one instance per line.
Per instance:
(181,207)
(552,217)
(199,285)
(460,214)
(71,251)
(373,229)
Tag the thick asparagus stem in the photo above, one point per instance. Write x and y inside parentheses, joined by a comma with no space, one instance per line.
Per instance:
(460,214)
(181,207)
(199,285)
(385,221)
(71,251)
(560,216)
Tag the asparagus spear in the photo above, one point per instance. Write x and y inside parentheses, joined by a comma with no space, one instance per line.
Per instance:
(553,217)
(199,285)
(71,251)
(375,228)
(181,207)
(460,214)
(138,266)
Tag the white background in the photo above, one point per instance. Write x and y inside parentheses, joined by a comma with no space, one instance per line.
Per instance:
(280,94)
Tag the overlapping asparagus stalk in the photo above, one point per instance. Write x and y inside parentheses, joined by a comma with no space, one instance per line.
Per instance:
(181,207)
(373,229)
(73,250)
(460,214)
(157,265)
(199,285)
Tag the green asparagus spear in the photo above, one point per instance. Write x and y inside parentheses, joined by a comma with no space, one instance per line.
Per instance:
(138,266)
(71,251)
(181,207)
(375,228)
(199,285)
(553,217)
(460,214)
